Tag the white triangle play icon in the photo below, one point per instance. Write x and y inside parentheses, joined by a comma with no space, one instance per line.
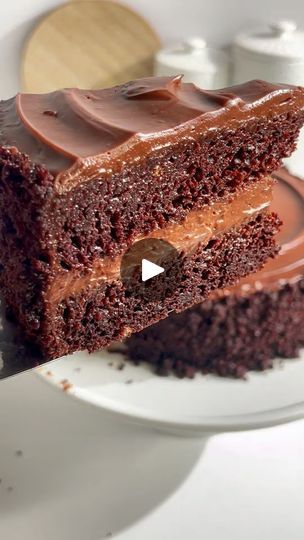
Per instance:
(150,269)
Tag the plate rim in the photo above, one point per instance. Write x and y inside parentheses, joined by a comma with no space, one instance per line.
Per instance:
(199,425)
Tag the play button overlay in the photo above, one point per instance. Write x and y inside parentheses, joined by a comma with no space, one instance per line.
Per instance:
(150,269)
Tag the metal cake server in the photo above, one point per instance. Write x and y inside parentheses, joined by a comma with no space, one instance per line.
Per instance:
(15,355)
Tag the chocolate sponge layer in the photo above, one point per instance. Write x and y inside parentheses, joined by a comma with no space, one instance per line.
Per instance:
(103,217)
(95,318)
(227,336)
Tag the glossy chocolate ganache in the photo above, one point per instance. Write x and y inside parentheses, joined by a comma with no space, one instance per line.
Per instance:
(81,134)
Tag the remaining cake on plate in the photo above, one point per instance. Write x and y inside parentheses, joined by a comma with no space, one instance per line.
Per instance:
(245,327)
(85,174)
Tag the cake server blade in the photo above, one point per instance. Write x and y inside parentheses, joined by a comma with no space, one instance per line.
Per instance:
(15,355)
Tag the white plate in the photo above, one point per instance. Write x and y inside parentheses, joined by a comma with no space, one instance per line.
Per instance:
(205,404)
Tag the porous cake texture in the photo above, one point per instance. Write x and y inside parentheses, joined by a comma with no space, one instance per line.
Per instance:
(85,174)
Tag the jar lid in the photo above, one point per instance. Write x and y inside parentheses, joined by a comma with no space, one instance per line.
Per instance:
(281,39)
(192,55)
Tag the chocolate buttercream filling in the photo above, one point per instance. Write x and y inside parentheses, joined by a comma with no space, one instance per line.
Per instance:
(197,229)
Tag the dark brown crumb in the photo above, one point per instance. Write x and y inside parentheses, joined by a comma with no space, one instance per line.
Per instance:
(49,373)
(19,453)
(108,535)
(110,364)
(121,366)
(9,488)
(129,381)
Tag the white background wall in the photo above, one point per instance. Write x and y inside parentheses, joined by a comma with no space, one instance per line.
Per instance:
(217,20)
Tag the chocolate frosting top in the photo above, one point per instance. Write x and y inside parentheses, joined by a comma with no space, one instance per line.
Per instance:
(78,134)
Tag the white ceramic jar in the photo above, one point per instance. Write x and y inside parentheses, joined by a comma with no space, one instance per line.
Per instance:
(275,54)
(206,67)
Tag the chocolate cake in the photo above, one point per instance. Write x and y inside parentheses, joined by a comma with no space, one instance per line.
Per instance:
(86,174)
(247,326)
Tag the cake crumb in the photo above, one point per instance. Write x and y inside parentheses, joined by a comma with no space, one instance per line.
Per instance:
(77,369)
(9,488)
(49,373)
(110,364)
(108,535)
(121,366)
(19,453)
(66,385)
(129,381)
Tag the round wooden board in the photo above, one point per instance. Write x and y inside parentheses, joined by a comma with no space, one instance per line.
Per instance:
(88,44)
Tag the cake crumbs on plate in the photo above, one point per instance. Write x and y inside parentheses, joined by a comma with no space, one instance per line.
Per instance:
(121,366)
(129,381)
(66,385)
(19,453)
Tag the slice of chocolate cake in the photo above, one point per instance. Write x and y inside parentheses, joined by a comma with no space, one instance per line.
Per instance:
(245,327)
(87,174)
